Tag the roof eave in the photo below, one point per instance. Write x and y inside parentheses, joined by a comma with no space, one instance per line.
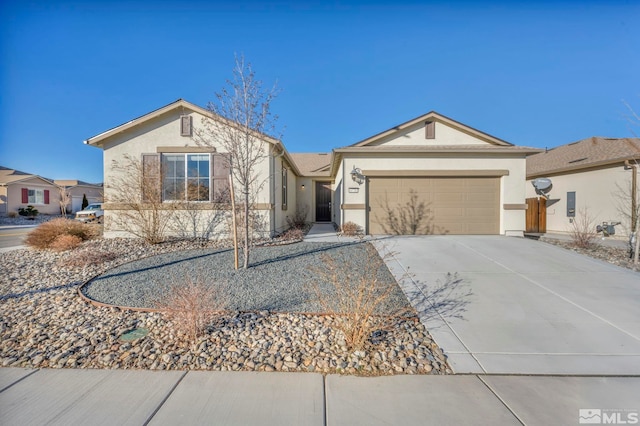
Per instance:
(438,117)
(98,140)
(563,170)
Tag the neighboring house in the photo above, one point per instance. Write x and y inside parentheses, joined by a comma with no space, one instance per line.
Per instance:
(470,182)
(19,190)
(595,175)
(77,190)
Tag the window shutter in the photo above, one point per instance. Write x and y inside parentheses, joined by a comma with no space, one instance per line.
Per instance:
(430,130)
(25,195)
(151,178)
(185,125)
(221,171)
(46,196)
(285,184)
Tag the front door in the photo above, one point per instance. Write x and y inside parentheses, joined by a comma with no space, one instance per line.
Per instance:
(323,201)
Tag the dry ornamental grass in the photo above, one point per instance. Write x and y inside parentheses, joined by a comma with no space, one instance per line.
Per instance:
(45,235)
(191,305)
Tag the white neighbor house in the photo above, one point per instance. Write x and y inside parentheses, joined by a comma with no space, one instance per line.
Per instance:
(472,182)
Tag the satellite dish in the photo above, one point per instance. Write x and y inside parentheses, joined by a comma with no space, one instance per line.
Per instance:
(542,185)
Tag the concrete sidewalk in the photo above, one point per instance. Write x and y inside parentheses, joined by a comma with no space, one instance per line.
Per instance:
(326,233)
(137,397)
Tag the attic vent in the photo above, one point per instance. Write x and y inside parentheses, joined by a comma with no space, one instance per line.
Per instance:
(578,160)
(430,130)
(185,125)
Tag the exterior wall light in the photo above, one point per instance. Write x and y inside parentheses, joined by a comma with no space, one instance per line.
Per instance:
(356,175)
(302,186)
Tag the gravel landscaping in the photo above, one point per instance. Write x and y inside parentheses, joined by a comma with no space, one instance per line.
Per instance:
(45,323)
(279,278)
(618,256)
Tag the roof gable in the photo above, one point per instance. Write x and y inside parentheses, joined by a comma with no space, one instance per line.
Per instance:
(98,140)
(583,154)
(448,132)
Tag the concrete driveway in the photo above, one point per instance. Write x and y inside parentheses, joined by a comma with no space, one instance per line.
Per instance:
(519,306)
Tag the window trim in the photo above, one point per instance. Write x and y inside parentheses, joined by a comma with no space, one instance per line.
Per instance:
(186,177)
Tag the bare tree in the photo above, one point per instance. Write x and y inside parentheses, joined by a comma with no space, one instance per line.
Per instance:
(240,122)
(583,230)
(65,199)
(135,198)
(412,218)
(634,121)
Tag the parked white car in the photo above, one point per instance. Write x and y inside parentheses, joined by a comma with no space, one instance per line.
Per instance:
(92,213)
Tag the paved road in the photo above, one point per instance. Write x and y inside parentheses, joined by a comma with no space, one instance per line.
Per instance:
(136,397)
(534,309)
(13,236)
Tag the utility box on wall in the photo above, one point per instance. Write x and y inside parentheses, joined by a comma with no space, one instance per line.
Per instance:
(571,204)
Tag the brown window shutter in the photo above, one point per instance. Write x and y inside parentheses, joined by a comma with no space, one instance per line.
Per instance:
(151,178)
(185,125)
(221,171)
(46,196)
(430,130)
(25,195)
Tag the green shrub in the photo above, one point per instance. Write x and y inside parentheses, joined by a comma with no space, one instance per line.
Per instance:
(30,211)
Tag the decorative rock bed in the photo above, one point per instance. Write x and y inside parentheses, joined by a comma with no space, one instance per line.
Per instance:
(45,323)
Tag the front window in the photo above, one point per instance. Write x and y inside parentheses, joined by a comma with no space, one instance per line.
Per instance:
(186,177)
(36,196)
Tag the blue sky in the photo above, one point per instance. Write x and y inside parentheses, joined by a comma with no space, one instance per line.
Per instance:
(538,74)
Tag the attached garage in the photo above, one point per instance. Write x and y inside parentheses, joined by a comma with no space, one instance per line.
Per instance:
(434,205)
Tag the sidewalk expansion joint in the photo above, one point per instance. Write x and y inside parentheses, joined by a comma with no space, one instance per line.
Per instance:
(501,400)
(165,399)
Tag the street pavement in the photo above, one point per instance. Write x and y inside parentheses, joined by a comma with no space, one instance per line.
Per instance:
(12,237)
(138,397)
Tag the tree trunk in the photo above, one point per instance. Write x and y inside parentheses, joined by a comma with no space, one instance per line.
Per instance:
(246,228)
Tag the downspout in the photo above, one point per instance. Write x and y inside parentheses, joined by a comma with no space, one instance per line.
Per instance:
(634,192)
(342,199)
(275,157)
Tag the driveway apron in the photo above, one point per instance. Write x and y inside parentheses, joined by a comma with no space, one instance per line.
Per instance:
(516,306)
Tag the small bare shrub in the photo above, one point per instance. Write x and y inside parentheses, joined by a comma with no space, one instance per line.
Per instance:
(350,229)
(65,242)
(356,297)
(292,234)
(583,231)
(191,305)
(12,215)
(44,235)
(85,257)
(299,218)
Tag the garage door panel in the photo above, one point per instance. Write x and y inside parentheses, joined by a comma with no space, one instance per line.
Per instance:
(456,205)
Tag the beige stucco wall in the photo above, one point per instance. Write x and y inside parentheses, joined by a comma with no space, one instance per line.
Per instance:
(305,197)
(14,196)
(415,135)
(512,186)
(164,131)
(599,191)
